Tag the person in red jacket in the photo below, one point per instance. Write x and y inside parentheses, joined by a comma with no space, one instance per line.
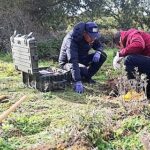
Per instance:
(134,47)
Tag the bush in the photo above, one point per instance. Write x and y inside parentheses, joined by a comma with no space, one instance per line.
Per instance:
(107,37)
(51,47)
(5,145)
(29,125)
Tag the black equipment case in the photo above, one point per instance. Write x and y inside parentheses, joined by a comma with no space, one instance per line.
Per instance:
(25,58)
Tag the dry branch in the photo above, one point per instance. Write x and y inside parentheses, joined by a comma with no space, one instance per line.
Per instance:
(11,109)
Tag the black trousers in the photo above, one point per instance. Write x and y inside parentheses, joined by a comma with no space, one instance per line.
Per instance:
(143,65)
(88,68)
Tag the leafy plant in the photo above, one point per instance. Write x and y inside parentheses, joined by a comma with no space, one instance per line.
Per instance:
(51,47)
(92,124)
(31,125)
(4,145)
(130,142)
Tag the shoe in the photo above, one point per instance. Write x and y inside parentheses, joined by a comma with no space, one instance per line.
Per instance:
(148,95)
(91,81)
(87,80)
(148,91)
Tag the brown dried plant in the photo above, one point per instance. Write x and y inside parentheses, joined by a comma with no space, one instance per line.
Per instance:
(132,92)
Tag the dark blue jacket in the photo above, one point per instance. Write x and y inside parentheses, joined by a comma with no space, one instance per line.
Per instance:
(74,47)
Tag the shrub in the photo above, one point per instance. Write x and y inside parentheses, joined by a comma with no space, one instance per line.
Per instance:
(5,145)
(106,37)
(31,125)
(51,47)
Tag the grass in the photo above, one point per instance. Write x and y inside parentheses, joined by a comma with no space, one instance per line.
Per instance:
(49,119)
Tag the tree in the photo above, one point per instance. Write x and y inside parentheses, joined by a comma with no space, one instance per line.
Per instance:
(128,13)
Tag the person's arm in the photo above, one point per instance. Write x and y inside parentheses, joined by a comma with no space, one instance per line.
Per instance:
(72,49)
(98,46)
(136,46)
(72,55)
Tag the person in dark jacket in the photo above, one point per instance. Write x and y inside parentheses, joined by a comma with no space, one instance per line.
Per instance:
(134,46)
(74,53)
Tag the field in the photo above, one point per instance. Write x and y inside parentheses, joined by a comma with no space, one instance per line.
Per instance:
(66,120)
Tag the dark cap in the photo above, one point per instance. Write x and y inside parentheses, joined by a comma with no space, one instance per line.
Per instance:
(92,29)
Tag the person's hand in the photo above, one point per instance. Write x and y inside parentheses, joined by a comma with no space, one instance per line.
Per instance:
(116,61)
(96,56)
(78,87)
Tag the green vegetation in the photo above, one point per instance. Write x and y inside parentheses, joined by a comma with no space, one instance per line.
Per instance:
(50,48)
(50,19)
(63,118)
(49,119)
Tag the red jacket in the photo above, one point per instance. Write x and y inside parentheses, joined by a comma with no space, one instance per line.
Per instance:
(135,42)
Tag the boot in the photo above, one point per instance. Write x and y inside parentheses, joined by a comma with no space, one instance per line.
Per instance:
(148,91)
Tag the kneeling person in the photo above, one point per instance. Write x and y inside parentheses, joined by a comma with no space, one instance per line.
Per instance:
(134,46)
(74,54)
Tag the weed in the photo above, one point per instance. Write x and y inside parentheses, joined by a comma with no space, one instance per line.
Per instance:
(91,124)
(130,142)
(6,57)
(4,145)
(31,124)
(47,96)
(73,118)
(7,69)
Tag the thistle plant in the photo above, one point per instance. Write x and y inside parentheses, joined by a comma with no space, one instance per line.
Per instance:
(132,92)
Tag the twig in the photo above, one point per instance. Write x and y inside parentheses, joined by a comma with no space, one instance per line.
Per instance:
(5,114)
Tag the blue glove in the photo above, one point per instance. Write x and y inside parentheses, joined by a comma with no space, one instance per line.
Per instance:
(78,87)
(96,56)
